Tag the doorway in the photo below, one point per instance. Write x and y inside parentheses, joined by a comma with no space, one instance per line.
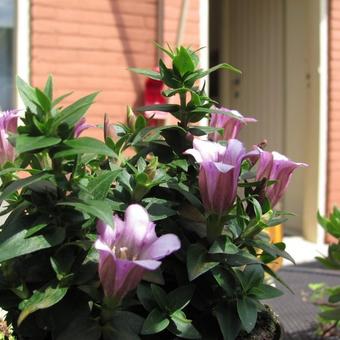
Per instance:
(269,41)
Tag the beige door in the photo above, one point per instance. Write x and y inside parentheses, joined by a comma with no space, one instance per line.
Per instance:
(256,47)
(266,39)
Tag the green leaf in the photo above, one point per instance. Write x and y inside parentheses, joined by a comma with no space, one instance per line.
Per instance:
(164,50)
(140,123)
(204,130)
(160,107)
(331,225)
(215,110)
(247,311)
(197,263)
(155,322)
(74,112)
(97,208)
(334,296)
(48,89)
(180,297)
(43,101)
(160,296)
(144,294)
(331,314)
(100,185)
(21,183)
(85,145)
(126,323)
(263,292)
(25,143)
(193,77)
(84,328)
(184,192)
(228,321)
(19,244)
(225,280)
(223,245)
(182,327)
(241,258)
(41,300)
(251,276)
(158,209)
(33,230)
(182,62)
(180,163)
(149,73)
(269,271)
(59,99)
(27,94)
(271,249)
(13,170)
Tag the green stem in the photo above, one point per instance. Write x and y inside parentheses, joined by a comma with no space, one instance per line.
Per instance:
(214,227)
(184,118)
(252,231)
(108,309)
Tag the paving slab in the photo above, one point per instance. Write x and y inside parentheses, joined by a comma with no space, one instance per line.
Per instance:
(296,312)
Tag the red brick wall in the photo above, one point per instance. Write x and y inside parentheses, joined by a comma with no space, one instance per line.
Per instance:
(333,185)
(88,45)
(172,10)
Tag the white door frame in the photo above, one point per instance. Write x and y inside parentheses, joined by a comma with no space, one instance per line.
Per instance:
(316,175)
(22,44)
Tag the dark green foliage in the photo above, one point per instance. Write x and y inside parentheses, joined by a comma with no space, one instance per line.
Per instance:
(210,289)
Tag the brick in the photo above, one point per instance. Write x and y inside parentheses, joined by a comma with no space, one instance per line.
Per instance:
(88,46)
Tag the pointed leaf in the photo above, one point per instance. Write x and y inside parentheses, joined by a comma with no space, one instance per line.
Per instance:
(228,321)
(48,89)
(247,312)
(25,143)
(197,263)
(74,112)
(155,322)
(149,73)
(23,182)
(85,145)
(41,300)
(97,208)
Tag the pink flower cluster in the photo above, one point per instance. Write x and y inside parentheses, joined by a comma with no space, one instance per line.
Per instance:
(220,165)
(8,124)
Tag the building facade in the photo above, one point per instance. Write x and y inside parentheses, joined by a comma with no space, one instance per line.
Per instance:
(288,50)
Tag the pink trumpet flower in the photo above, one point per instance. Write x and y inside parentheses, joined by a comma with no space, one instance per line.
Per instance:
(130,249)
(274,166)
(80,127)
(231,125)
(219,172)
(8,123)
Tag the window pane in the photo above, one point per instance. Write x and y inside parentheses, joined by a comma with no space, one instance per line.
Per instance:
(6,53)
(6,13)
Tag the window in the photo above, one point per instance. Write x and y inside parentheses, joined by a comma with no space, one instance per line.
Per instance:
(6,53)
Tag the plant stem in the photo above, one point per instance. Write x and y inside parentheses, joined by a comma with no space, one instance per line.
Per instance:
(184,118)
(214,227)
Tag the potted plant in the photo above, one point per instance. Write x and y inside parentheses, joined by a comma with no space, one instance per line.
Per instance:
(165,243)
(325,297)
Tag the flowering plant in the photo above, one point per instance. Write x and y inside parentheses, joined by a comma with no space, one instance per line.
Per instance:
(167,242)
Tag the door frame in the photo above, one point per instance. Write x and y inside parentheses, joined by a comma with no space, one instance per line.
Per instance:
(22,44)
(315,193)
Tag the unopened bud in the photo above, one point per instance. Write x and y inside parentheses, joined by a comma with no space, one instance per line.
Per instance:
(108,128)
(152,167)
(131,118)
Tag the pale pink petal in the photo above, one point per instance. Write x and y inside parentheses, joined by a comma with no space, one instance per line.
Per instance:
(148,264)
(137,225)
(163,246)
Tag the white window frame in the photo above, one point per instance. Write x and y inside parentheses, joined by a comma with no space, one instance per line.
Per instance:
(22,44)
